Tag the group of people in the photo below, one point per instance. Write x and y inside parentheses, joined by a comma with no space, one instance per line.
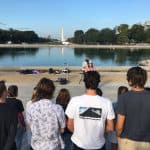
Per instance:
(86,122)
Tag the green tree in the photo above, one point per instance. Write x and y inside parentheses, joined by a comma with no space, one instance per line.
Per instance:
(137,33)
(91,36)
(79,37)
(106,36)
(148,35)
(123,33)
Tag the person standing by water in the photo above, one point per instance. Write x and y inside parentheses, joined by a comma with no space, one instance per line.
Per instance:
(133,120)
(112,143)
(45,118)
(88,114)
(63,99)
(17,104)
(8,121)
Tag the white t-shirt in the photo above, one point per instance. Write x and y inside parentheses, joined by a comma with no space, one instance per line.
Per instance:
(89,114)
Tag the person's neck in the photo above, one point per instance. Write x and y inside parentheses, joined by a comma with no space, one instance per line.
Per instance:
(91,92)
(137,88)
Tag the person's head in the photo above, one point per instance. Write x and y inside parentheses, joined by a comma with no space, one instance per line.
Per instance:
(122,89)
(99,92)
(44,89)
(87,60)
(63,97)
(3,90)
(91,65)
(33,94)
(91,80)
(12,91)
(137,77)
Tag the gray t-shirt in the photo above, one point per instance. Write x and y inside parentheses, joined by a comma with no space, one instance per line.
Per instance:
(135,106)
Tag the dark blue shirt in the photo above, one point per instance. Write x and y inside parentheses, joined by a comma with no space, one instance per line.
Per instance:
(135,106)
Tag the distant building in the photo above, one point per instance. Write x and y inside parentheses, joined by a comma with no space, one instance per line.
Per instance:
(63,41)
(146,25)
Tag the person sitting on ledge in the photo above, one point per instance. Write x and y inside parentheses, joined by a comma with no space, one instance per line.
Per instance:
(87,65)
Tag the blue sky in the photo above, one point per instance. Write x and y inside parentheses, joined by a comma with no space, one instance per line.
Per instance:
(48,16)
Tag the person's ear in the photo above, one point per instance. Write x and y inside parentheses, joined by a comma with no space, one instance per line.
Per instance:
(130,83)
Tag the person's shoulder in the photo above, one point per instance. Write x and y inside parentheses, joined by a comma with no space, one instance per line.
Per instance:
(146,92)
(104,99)
(57,106)
(77,99)
(10,100)
(125,96)
(18,101)
(33,105)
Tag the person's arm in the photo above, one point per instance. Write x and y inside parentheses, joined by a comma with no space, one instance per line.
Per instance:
(70,112)
(70,124)
(28,117)
(109,125)
(61,118)
(121,115)
(110,117)
(12,132)
(120,124)
(21,119)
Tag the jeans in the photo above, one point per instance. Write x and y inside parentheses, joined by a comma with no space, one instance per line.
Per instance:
(19,137)
(67,140)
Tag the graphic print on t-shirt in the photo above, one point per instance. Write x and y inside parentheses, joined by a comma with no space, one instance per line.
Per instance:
(90,113)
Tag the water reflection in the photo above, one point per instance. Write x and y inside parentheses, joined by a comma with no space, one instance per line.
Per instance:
(119,56)
(73,57)
(14,52)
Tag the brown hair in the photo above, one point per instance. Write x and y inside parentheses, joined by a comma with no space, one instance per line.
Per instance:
(122,90)
(63,97)
(33,94)
(44,89)
(2,88)
(137,76)
(12,91)
(91,79)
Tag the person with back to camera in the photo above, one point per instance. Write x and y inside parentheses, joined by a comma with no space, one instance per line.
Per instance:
(29,103)
(133,121)
(45,118)
(63,99)
(8,121)
(17,104)
(87,116)
(112,143)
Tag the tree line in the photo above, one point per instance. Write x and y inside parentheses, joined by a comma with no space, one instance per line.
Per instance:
(16,36)
(121,34)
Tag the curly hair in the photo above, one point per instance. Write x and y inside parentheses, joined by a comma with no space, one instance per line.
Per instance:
(44,89)
(91,79)
(137,76)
